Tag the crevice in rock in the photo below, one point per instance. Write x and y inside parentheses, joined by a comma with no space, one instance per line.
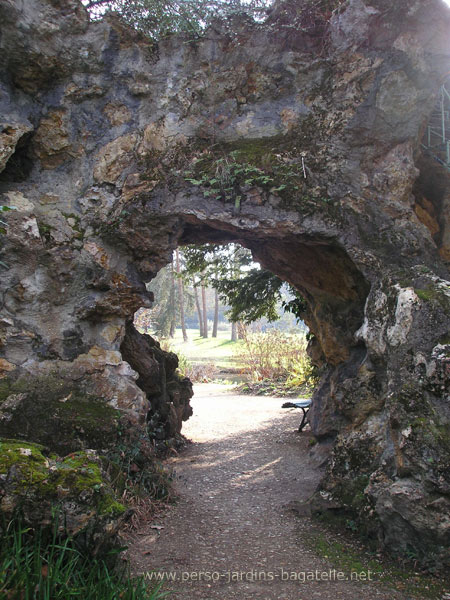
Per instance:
(432,201)
(20,163)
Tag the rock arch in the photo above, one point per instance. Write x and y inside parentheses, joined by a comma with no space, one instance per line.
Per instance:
(303,144)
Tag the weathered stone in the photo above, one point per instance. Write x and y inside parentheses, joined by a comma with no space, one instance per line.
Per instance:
(10,135)
(5,367)
(117,114)
(75,489)
(51,142)
(65,419)
(331,111)
(113,158)
(80,93)
(169,394)
(18,201)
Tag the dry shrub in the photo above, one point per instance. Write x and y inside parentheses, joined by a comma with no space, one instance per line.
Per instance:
(200,373)
(276,356)
(144,508)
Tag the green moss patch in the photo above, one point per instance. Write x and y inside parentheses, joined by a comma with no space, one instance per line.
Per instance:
(434,295)
(56,413)
(352,492)
(434,434)
(31,464)
(79,473)
(427,446)
(109,506)
(32,477)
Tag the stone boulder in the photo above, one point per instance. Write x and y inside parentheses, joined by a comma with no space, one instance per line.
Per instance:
(74,491)
(64,406)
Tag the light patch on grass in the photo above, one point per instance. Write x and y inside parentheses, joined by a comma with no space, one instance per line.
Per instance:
(219,350)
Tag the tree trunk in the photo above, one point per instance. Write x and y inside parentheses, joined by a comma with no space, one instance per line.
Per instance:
(172,300)
(172,329)
(199,310)
(181,296)
(205,315)
(216,314)
(233,332)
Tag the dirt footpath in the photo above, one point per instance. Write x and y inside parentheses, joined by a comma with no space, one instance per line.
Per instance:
(233,535)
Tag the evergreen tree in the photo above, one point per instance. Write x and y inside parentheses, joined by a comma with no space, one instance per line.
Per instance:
(216,314)
(164,313)
(205,311)
(198,307)
(171,301)
(252,293)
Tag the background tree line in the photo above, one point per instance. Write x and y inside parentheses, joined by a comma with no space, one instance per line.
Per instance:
(216,283)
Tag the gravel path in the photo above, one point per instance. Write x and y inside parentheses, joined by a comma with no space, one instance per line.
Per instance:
(233,525)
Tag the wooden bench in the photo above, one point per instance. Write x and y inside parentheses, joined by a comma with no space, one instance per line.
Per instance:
(304,405)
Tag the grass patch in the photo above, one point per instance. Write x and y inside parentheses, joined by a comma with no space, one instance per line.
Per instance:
(219,350)
(348,554)
(280,389)
(34,566)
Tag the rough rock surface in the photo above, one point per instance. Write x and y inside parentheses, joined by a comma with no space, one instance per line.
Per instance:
(169,394)
(300,139)
(76,488)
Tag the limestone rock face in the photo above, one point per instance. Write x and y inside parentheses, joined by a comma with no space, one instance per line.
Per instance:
(114,150)
(9,137)
(169,394)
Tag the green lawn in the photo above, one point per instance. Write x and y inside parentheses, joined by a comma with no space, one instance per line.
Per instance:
(219,350)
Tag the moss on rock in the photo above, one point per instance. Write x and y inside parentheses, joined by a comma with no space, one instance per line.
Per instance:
(26,458)
(435,294)
(56,413)
(76,487)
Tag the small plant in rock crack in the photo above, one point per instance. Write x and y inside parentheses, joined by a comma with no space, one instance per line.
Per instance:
(229,178)
(136,471)
(4,208)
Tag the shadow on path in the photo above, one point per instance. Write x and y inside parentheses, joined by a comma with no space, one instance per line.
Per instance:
(232,534)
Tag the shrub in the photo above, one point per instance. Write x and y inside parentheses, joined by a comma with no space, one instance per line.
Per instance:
(197,373)
(136,473)
(201,373)
(276,356)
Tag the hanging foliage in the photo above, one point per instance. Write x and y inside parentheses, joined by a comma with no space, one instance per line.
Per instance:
(159,18)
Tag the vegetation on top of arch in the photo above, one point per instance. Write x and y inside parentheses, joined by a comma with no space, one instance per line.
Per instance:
(159,18)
